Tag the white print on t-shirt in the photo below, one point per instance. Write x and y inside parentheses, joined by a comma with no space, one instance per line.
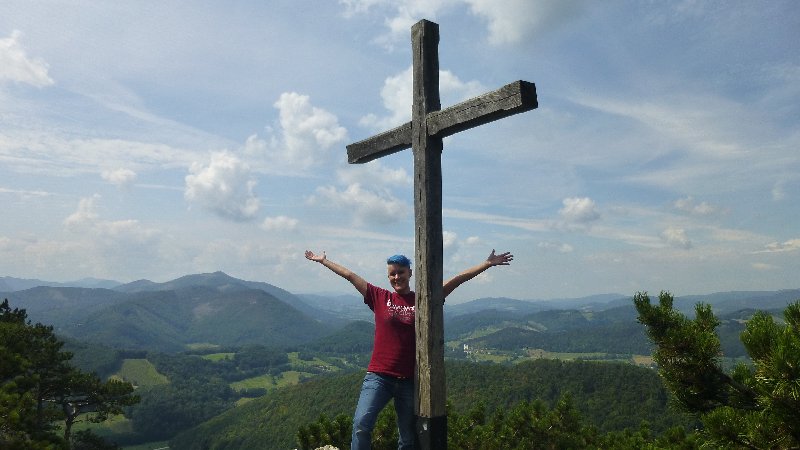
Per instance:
(402,313)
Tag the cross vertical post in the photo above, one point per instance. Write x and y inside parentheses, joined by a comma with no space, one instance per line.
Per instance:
(431,395)
(429,125)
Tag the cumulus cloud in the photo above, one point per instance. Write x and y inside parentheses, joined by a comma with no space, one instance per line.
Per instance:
(119,177)
(688,204)
(306,134)
(449,241)
(367,191)
(224,186)
(397,95)
(86,219)
(511,21)
(95,245)
(374,173)
(85,213)
(279,223)
(676,237)
(579,210)
(366,205)
(17,67)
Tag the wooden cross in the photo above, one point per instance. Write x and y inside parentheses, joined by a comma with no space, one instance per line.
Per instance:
(424,134)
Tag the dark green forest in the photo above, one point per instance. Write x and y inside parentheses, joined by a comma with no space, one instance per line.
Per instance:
(610,396)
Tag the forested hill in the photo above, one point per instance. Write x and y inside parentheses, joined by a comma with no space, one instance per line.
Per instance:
(210,309)
(610,396)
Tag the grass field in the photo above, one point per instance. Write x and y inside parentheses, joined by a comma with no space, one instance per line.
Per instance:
(295,361)
(500,357)
(642,360)
(140,372)
(270,382)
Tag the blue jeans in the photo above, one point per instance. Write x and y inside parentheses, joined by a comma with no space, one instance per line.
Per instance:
(376,391)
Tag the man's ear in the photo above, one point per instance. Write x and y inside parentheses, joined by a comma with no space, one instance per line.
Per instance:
(409,272)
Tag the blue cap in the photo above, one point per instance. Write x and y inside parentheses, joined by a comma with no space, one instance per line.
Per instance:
(400,260)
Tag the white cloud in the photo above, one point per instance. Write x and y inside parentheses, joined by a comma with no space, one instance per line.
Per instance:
(780,247)
(24,194)
(374,174)
(397,95)
(359,6)
(93,245)
(687,204)
(510,21)
(449,241)
(525,224)
(119,177)
(85,214)
(306,135)
(86,220)
(365,205)
(51,154)
(305,124)
(400,16)
(279,223)
(676,237)
(224,186)
(472,240)
(763,267)
(453,90)
(556,246)
(709,127)
(16,66)
(579,210)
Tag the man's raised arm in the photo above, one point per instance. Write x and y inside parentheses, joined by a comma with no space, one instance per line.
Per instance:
(359,283)
(502,259)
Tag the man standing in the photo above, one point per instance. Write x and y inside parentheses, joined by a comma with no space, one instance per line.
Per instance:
(390,374)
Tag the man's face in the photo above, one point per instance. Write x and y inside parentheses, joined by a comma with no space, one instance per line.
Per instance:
(399,277)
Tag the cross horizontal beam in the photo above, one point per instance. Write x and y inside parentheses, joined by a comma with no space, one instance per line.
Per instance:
(513,98)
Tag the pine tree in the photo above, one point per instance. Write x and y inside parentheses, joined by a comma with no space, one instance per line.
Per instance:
(40,389)
(755,406)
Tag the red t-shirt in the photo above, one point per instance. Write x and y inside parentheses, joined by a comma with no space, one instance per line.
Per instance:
(394,350)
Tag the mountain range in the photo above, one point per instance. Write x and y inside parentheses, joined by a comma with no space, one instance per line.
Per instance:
(217,310)
(205,309)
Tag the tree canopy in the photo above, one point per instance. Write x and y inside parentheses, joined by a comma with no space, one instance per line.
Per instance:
(755,405)
(40,390)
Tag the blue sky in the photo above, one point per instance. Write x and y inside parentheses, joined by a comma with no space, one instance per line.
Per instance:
(157,139)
